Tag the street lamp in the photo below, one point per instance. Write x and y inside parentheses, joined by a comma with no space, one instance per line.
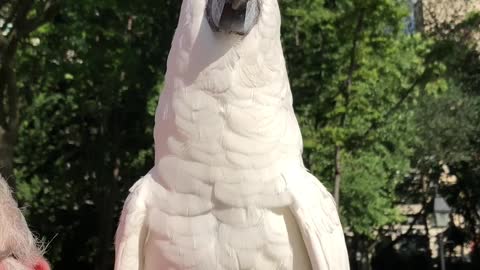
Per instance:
(441,213)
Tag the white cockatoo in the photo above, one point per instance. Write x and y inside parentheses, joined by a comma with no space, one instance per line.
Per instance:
(228,189)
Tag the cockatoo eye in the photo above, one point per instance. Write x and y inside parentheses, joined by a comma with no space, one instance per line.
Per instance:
(233,16)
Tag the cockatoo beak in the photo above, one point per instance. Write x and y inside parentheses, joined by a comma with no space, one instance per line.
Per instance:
(233,16)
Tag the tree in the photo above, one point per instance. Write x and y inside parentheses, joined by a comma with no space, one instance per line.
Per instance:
(87,131)
(18,19)
(447,152)
(356,73)
(353,78)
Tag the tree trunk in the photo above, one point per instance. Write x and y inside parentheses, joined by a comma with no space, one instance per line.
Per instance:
(6,157)
(106,229)
(107,223)
(345,92)
(338,174)
(418,13)
(17,14)
(109,189)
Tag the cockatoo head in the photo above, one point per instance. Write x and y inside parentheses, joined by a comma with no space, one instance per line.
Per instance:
(18,247)
(233,16)
(213,35)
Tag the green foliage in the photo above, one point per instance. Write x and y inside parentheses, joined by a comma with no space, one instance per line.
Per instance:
(355,71)
(448,126)
(90,82)
(370,180)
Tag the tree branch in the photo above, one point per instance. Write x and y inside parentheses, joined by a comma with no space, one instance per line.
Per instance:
(347,84)
(22,26)
(3,116)
(3,3)
(50,9)
(12,10)
(410,228)
(8,55)
(21,13)
(12,94)
(344,90)
(376,124)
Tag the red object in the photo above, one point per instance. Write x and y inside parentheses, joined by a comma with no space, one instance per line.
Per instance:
(41,265)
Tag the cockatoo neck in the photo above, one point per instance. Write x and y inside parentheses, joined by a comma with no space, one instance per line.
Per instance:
(227,99)
(219,62)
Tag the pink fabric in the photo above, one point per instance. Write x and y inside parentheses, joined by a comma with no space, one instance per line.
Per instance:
(41,265)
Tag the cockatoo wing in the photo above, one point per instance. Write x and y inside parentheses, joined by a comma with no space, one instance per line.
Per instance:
(132,230)
(317,217)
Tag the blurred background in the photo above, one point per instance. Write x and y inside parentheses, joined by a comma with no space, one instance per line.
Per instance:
(387,93)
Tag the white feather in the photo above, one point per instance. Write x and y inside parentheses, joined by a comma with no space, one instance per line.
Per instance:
(316,214)
(132,230)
